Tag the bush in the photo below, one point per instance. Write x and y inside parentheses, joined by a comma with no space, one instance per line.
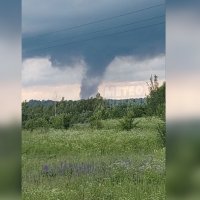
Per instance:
(32,124)
(66,121)
(95,120)
(127,123)
(56,122)
(42,123)
(139,110)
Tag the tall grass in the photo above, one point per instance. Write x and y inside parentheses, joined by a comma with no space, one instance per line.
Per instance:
(84,163)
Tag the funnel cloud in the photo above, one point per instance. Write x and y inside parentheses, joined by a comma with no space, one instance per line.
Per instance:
(97,51)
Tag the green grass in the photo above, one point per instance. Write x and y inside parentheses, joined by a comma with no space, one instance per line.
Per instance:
(125,165)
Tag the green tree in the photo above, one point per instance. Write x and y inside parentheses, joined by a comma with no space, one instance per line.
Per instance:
(156,106)
(56,122)
(156,95)
(128,121)
(39,123)
(66,121)
(95,120)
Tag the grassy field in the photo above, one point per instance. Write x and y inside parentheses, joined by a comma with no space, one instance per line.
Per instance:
(86,164)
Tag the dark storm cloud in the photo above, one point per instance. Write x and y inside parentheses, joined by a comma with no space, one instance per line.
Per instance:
(47,16)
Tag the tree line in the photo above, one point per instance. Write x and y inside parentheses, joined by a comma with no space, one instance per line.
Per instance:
(63,114)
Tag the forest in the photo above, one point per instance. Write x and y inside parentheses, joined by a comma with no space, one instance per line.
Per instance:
(64,114)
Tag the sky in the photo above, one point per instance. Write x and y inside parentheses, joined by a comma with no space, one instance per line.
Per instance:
(77,48)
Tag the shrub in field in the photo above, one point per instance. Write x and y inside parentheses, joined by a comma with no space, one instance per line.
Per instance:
(95,120)
(42,123)
(56,122)
(127,123)
(139,110)
(32,124)
(66,121)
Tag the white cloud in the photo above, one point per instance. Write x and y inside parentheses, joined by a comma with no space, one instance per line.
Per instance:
(40,79)
(39,71)
(129,69)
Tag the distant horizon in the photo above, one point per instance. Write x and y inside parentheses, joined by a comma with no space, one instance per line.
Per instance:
(50,92)
(80,99)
